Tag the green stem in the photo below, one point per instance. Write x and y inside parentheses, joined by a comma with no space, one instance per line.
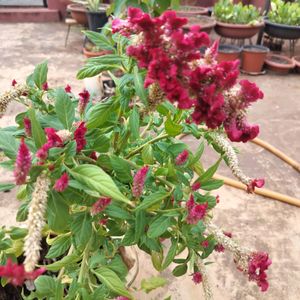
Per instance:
(147,127)
(62,270)
(137,150)
(87,159)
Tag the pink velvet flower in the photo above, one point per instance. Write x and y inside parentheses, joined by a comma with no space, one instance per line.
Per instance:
(23,163)
(100,205)
(196,212)
(27,126)
(139,181)
(45,86)
(62,183)
(182,158)
(68,89)
(205,244)
(196,186)
(79,136)
(16,274)
(197,277)
(14,82)
(84,98)
(255,183)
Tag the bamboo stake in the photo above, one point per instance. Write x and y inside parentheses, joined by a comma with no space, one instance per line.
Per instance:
(261,191)
(277,152)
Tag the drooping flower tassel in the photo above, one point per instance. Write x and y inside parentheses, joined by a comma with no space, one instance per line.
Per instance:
(233,164)
(35,222)
(208,294)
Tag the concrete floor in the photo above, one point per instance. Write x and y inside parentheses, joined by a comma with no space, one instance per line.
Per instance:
(257,222)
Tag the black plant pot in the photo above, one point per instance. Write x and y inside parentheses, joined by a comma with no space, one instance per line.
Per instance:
(97,20)
(282,31)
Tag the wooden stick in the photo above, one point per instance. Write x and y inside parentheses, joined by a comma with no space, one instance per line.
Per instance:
(260,191)
(277,152)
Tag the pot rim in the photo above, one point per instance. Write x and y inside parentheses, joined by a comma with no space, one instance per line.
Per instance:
(76,7)
(194,10)
(98,53)
(205,26)
(241,26)
(294,27)
(271,63)
(296,60)
(262,49)
(236,49)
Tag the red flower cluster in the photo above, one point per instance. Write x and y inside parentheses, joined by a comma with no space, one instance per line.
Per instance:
(100,205)
(122,298)
(196,186)
(196,212)
(84,98)
(258,264)
(62,183)
(79,136)
(182,158)
(27,126)
(53,140)
(23,163)
(68,89)
(45,86)
(139,181)
(14,82)
(16,274)
(197,277)
(205,244)
(172,59)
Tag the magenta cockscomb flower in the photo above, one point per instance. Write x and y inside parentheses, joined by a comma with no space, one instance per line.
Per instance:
(259,262)
(100,205)
(23,163)
(139,181)
(68,88)
(122,298)
(196,212)
(259,183)
(79,136)
(14,82)
(93,155)
(62,183)
(197,277)
(196,186)
(205,244)
(182,158)
(45,86)
(84,98)
(219,248)
(16,274)
(27,126)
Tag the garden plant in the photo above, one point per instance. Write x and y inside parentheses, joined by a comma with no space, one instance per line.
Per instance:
(96,178)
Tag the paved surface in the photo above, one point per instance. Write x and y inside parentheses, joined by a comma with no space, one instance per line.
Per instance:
(257,222)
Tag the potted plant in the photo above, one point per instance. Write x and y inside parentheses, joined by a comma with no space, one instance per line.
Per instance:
(237,21)
(206,23)
(78,12)
(253,57)
(228,53)
(188,11)
(283,20)
(94,178)
(280,64)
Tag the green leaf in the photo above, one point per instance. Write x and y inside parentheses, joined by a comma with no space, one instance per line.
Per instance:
(122,168)
(117,212)
(180,270)
(152,283)
(45,286)
(64,108)
(112,281)
(97,180)
(22,212)
(198,153)
(134,124)
(140,223)
(37,131)
(64,262)
(6,186)
(57,213)
(60,245)
(40,74)
(81,228)
(209,173)
(9,144)
(17,233)
(100,40)
(212,184)
(171,254)
(100,112)
(157,259)
(172,128)
(139,86)
(101,144)
(129,237)
(152,200)
(147,155)
(158,227)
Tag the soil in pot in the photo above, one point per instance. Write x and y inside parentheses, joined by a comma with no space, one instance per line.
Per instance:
(78,13)
(296,60)
(253,57)
(206,23)
(279,63)
(228,53)
(188,11)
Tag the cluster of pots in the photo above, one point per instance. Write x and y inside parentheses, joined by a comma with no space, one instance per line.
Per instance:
(254,57)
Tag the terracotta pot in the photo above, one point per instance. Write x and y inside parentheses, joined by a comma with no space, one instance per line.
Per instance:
(89,54)
(191,11)
(253,57)
(78,13)
(237,31)
(296,60)
(206,23)
(228,53)
(279,63)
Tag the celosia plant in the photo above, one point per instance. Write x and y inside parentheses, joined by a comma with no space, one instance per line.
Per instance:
(95,178)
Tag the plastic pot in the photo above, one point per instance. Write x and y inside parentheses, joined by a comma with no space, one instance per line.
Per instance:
(189,11)
(228,53)
(279,63)
(88,54)
(253,57)
(97,20)
(206,23)
(282,31)
(78,13)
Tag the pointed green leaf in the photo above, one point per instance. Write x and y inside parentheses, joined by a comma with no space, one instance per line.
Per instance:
(37,131)
(81,228)
(158,227)
(152,200)
(64,108)
(40,74)
(9,144)
(171,254)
